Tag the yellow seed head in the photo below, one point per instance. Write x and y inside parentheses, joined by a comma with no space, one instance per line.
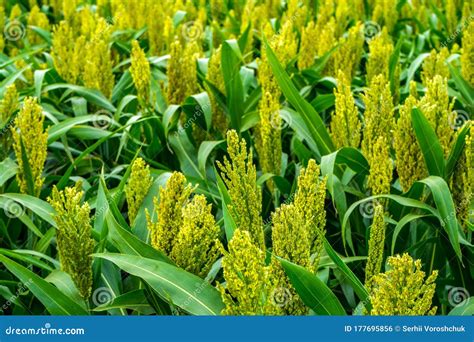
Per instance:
(240,176)
(197,246)
(403,289)
(378,115)
(182,74)
(309,200)
(451,17)
(410,162)
(248,286)
(137,187)
(438,109)
(15,12)
(98,61)
(381,167)
(291,236)
(168,211)
(348,55)
(30,137)
(345,123)
(435,64)
(73,235)
(467,55)
(268,142)
(38,19)
(385,13)
(214,75)
(380,50)
(2,24)
(462,186)
(69,8)
(307,51)
(140,70)
(376,245)
(8,106)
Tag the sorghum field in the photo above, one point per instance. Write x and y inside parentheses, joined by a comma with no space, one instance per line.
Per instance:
(236,157)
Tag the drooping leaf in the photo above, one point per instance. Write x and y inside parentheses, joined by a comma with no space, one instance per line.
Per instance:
(179,287)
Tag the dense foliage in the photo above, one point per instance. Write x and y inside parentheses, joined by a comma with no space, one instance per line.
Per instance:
(244,157)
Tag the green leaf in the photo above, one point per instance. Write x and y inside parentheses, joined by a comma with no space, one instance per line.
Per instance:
(313,292)
(402,223)
(314,123)
(8,169)
(447,211)
(56,302)
(91,95)
(465,308)
(429,144)
(128,243)
(457,149)
(197,106)
(60,129)
(205,150)
(65,284)
(230,63)
(407,202)
(37,206)
(179,287)
(414,66)
(463,86)
(30,182)
(229,223)
(357,285)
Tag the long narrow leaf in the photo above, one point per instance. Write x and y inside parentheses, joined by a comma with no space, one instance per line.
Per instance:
(181,288)
(313,292)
